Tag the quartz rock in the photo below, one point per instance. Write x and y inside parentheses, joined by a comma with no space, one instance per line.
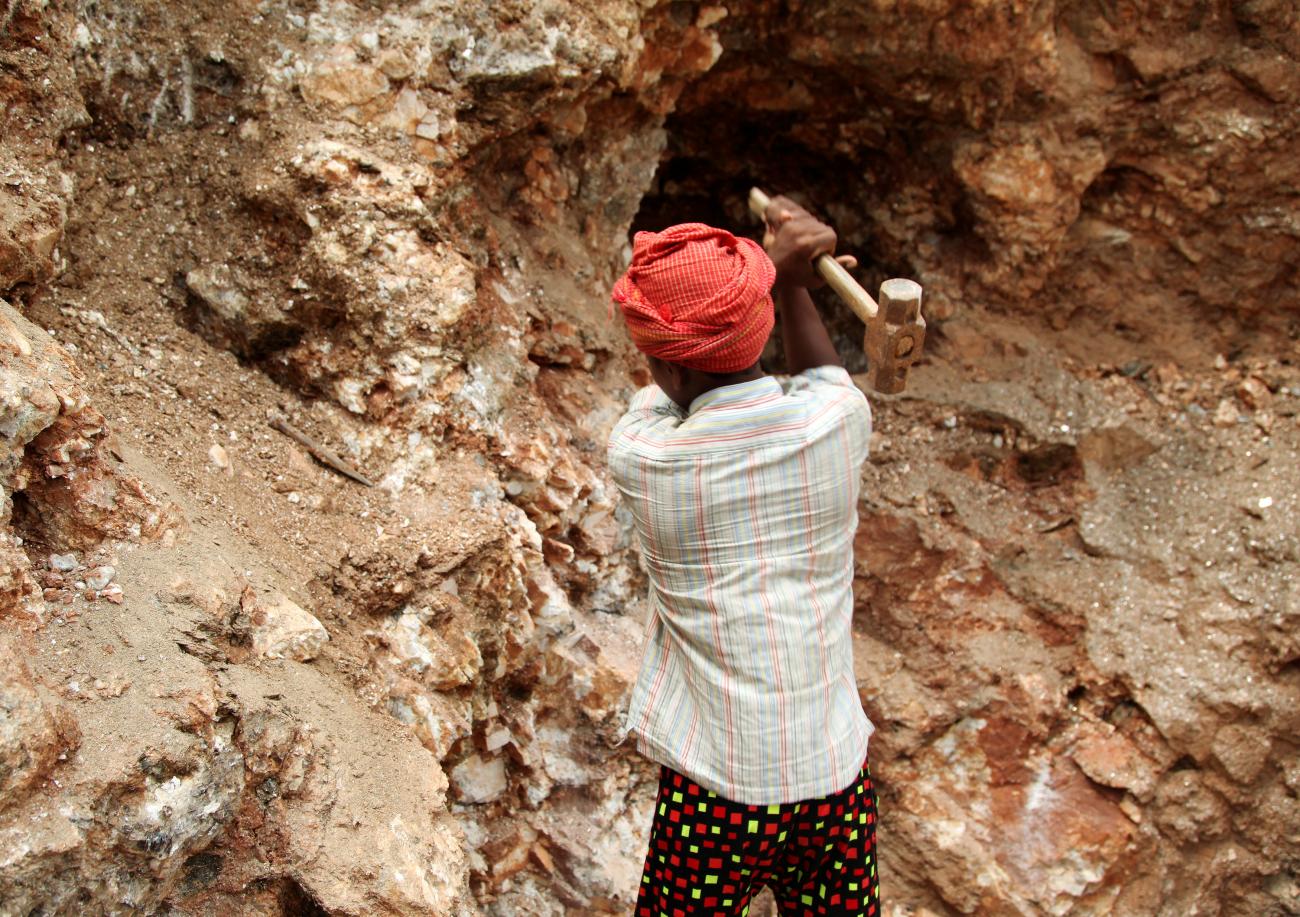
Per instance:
(478,779)
(281,628)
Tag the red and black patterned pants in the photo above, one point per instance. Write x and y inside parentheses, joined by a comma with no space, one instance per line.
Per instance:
(708,856)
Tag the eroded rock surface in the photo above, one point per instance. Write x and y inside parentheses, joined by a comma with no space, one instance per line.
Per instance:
(238,682)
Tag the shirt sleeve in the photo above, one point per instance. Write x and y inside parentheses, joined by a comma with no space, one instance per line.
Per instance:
(649,405)
(819,377)
(651,401)
(834,386)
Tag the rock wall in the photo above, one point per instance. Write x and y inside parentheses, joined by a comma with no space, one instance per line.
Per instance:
(236,681)
(1123,166)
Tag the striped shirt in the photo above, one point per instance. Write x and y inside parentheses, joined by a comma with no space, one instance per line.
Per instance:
(746,506)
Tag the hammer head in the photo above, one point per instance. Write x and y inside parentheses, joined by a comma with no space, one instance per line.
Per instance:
(894,340)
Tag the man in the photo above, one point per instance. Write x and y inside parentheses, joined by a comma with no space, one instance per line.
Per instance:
(743,489)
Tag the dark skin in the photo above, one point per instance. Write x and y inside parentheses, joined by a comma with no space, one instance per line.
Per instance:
(794,237)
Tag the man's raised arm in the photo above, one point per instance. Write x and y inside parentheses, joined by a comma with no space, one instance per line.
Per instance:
(794,238)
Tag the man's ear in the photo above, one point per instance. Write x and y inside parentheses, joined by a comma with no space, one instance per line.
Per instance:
(678,374)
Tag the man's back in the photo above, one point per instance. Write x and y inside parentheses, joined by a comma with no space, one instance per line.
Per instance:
(746,509)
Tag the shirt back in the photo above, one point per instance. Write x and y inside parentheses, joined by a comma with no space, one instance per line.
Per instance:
(746,507)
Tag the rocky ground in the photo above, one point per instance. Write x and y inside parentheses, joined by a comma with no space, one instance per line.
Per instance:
(234,680)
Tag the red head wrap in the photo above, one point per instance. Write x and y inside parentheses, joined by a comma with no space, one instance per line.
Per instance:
(699,297)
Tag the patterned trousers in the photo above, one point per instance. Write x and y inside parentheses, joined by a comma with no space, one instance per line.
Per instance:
(708,856)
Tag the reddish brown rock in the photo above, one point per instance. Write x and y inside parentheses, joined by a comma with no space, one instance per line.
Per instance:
(1242,750)
(54,449)
(34,733)
(1108,758)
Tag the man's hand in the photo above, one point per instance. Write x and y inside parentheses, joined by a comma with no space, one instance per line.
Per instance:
(793,239)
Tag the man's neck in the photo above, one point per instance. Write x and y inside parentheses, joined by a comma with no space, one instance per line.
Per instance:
(705,383)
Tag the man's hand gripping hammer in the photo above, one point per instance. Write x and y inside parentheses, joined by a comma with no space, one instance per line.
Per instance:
(895,328)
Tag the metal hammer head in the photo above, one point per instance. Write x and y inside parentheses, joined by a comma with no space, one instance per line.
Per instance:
(895,338)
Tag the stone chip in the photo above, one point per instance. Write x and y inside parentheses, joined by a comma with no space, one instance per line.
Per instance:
(281,628)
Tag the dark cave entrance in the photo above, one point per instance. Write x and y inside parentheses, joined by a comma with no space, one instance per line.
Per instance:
(716,153)
(687,189)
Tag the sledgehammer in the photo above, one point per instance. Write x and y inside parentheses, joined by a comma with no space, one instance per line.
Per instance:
(895,333)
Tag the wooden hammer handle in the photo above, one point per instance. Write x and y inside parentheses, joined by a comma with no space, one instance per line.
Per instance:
(836,277)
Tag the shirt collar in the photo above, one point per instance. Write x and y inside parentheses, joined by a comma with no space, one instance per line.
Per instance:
(725,395)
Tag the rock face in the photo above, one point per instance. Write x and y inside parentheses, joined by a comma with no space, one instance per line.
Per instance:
(41,103)
(32,731)
(1064,157)
(56,452)
(395,225)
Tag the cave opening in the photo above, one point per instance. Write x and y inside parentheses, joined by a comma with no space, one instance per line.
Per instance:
(30,524)
(716,152)
(759,119)
(711,161)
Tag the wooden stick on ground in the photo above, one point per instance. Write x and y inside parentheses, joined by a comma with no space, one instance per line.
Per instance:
(321,454)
